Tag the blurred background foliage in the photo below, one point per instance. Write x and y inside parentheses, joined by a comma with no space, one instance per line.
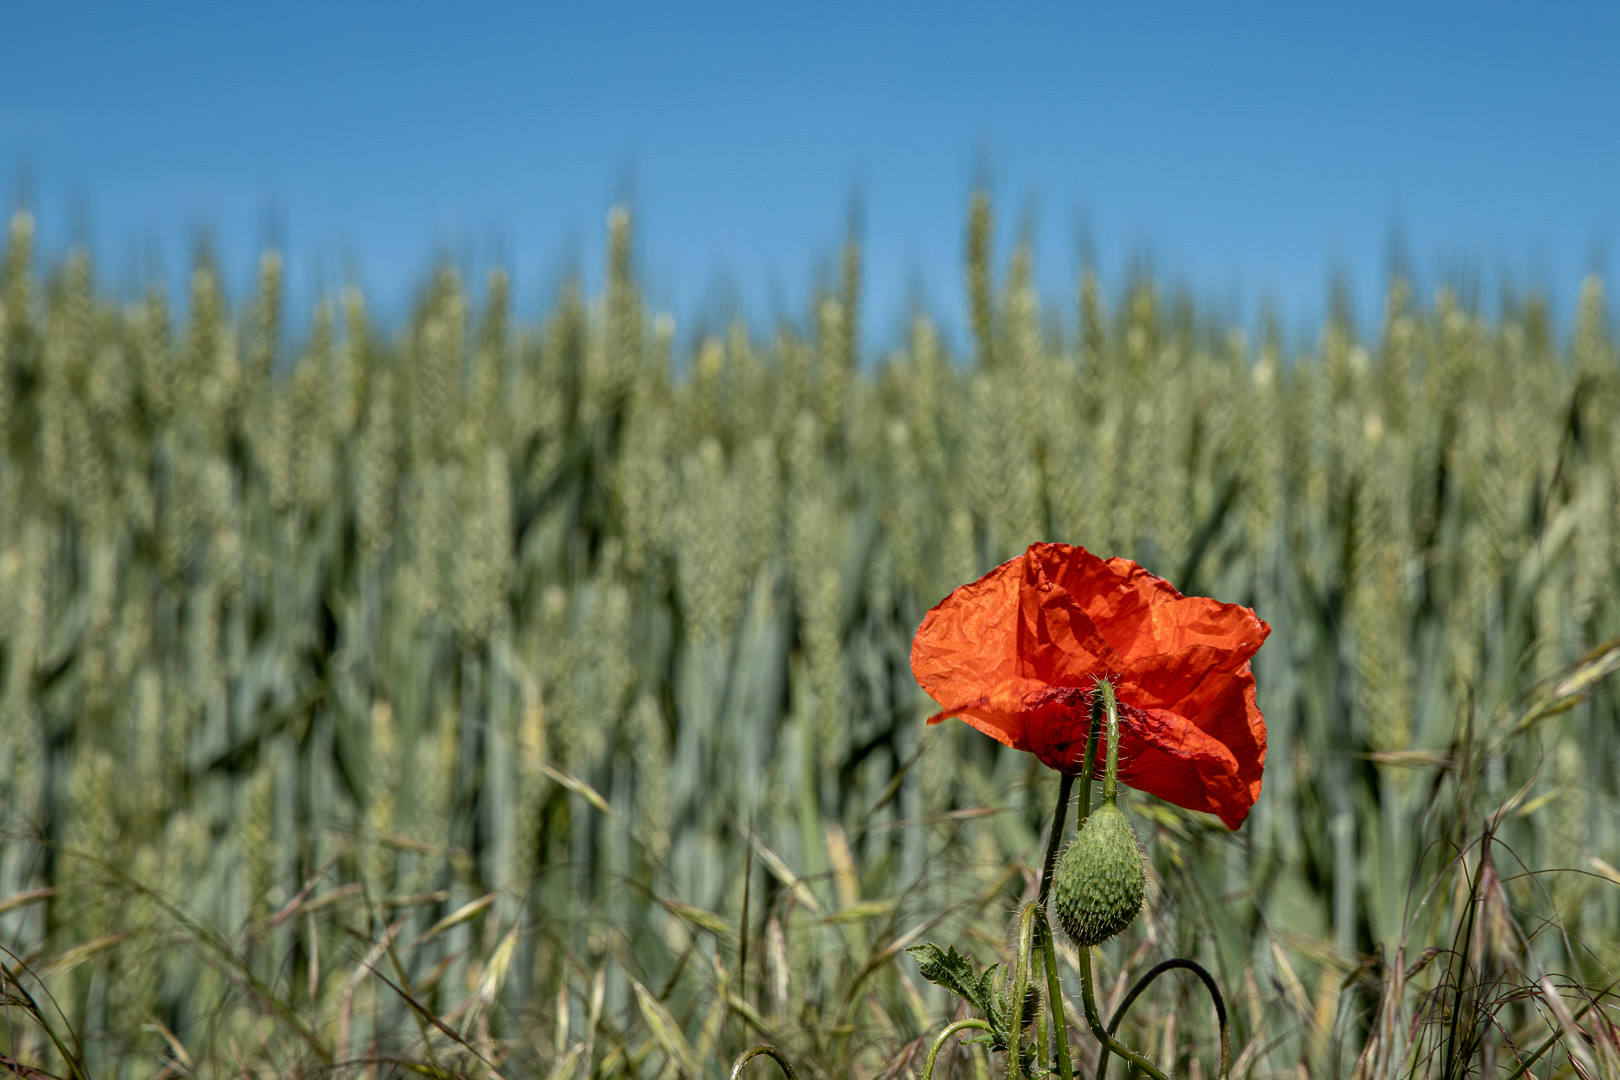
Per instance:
(475,696)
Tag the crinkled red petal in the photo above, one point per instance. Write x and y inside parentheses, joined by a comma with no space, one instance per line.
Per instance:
(1015,654)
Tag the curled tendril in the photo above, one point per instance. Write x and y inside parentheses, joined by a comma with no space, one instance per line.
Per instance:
(1088,998)
(1145,981)
(933,1051)
(771,1052)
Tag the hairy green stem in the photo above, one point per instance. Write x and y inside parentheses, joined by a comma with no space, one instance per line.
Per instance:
(1054,999)
(1042,1042)
(1035,945)
(1020,988)
(1065,790)
(1105,690)
(1088,763)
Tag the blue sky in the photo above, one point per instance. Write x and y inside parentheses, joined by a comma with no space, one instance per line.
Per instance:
(1246,150)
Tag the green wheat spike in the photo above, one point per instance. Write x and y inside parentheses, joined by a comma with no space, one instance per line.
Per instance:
(282,604)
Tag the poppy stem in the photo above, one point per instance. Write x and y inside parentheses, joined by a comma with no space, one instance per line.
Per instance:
(1105,691)
(1065,790)
(1054,998)
(1088,764)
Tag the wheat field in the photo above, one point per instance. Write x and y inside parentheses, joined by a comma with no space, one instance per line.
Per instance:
(471,698)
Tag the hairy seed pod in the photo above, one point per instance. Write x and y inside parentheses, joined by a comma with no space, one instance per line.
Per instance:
(1100,881)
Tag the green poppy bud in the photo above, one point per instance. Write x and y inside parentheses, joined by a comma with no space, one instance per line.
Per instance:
(1100,881)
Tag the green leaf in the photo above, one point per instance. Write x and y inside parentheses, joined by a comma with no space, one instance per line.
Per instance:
(955,973)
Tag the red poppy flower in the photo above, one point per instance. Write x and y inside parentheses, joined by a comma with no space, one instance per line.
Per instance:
(1016,653)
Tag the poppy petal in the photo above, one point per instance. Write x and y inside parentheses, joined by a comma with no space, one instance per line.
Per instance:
(1213,694)
(1139,613)
(1165,754)
(1058,641)
(1015,654)
(997,647)
(966,650)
